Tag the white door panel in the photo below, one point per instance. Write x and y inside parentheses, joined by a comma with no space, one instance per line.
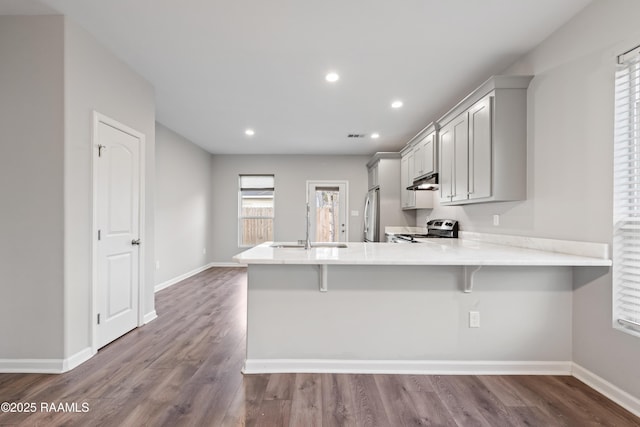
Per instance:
(118,222)
(119,286)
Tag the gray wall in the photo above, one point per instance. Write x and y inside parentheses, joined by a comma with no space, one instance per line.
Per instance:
(52,76)
(291,173)
(570,148)
(31,187)
(183,204)
(97,80)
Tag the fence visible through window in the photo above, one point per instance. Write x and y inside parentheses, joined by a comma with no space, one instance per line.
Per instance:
(256,209)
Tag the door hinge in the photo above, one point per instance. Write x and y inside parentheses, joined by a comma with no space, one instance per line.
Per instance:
(98,318)
(99,234)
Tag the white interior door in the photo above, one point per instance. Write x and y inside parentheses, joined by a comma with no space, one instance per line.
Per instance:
(118,231)
(328,202)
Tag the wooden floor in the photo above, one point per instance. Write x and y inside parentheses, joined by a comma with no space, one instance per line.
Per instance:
(184,369)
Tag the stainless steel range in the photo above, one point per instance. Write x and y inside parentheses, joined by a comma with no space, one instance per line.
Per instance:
(436,228)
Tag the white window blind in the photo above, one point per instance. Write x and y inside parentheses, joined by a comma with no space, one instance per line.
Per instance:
(626,215)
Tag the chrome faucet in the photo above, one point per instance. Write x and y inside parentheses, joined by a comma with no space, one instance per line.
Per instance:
(307,241)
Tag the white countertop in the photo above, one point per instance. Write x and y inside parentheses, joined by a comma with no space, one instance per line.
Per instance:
(431,252)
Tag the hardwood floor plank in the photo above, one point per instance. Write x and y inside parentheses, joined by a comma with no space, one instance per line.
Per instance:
(369,409)
(274,413)
(605,409)
(159,397)
(504,390)
(280,387)
(183,369)
(487,403)
(591,405)
(397,402)
(306,405)
(338,405)
(419,383)
(553,401)
(457,400)
(406,407)
(533,416)
(245,408)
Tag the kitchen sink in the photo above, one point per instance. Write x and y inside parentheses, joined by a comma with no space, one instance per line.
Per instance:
(328,245)
(313,245)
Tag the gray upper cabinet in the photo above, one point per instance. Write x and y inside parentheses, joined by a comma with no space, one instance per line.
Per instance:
(407,197)
(412,199)
(480,164)
(454,157)
(482,144)
(424,155)
(372,175)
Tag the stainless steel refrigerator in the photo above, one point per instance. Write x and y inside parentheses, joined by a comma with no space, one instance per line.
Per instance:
(372,216)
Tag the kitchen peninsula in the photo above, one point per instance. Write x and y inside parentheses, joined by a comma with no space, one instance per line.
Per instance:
(382,307)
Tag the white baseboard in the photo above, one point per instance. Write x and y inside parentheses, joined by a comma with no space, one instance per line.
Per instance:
(77,359)
(166,284)
(45,366)
(150,317)
(621,397)
(31,366)
(415,367)
(227,264)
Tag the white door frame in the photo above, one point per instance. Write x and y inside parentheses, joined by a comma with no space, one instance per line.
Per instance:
(97,119)
(330,182)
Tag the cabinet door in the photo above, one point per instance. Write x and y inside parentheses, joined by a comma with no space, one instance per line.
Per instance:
(411,195)
(404,175)
(446,163)
(480,149)
(428,154)
(373,176)
(418,157)
(460,136)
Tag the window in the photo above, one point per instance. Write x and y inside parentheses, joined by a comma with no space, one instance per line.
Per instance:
(255,209)
(626,194)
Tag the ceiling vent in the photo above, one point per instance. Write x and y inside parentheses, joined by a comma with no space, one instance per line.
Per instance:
(356,135)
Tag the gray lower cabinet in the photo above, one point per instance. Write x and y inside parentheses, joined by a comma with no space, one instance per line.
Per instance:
(482,144)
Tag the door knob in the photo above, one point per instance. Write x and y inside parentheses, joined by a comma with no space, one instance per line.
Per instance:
(135,242)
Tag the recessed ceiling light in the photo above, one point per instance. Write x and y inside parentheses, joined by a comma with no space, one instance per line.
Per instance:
(249,132)
(396,104)
(332,77)
(375,135)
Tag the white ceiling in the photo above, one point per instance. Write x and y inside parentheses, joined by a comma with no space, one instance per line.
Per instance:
(220,67)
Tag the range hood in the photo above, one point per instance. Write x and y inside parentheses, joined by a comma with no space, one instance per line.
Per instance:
(425,183)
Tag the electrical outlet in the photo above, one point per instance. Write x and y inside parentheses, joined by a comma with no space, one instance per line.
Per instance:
(204,251)
(157,265)
(474,319)
(496,220)
(355,213)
